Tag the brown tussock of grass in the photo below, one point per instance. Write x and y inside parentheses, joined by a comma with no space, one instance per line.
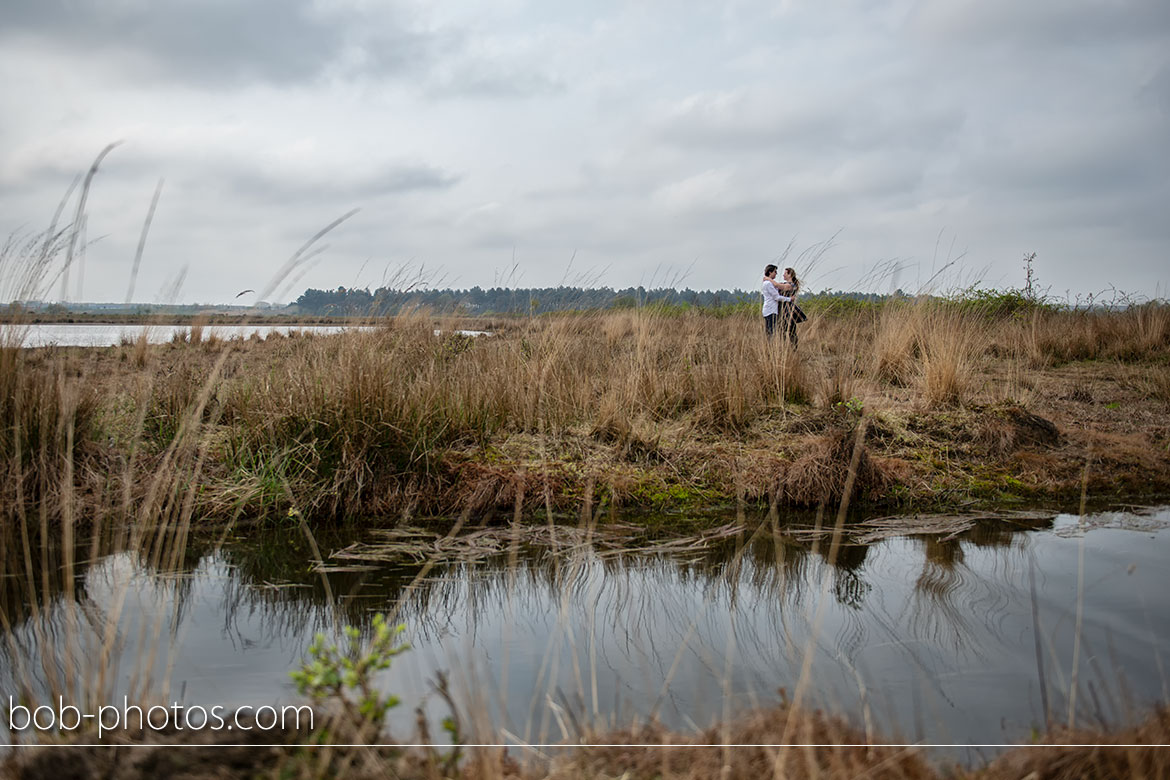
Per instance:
(1145,754)
(46,419)
(198,325)
(819,475)
(1006,428)
(480,488)
(1153,383)
(1119,449)
(895,346)
(950,343)
(843,751)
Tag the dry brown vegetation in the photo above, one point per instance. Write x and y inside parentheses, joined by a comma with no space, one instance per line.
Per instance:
(639,408)
(774,743)
(929,403)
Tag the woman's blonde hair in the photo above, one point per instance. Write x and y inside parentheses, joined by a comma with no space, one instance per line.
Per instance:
(795,282)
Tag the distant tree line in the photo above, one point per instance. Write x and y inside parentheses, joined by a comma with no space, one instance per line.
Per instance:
(506,300)
(361,302)
(383,301)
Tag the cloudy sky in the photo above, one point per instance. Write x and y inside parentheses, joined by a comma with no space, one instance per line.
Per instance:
(613,143)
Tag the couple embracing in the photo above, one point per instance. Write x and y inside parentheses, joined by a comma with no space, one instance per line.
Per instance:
(780,302)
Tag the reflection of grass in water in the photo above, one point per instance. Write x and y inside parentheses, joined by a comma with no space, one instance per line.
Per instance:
(776,570)
(776,566)
(936,615)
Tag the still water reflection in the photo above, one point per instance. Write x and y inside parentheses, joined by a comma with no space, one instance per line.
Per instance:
(945,640)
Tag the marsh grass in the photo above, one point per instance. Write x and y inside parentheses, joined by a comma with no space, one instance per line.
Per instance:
(1153,383)
(331,425)
(376,421)
(950,343)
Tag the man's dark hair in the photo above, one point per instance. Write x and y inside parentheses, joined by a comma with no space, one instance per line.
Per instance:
(769,268)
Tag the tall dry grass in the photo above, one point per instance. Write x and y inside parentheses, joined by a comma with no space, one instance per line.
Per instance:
(1046,336)
(896,350)
(366,418)
(931,345)
(367,422)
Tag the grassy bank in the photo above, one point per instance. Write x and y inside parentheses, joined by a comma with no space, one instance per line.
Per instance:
(941,403)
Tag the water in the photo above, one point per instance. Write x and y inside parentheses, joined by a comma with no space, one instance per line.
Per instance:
(97,335)
(961,641)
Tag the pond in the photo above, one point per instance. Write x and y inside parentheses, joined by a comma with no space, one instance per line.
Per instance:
(961,639)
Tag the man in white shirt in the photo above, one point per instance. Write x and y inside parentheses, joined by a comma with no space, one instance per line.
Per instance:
(772,299)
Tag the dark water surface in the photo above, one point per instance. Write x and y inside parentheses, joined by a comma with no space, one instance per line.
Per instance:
(963,640)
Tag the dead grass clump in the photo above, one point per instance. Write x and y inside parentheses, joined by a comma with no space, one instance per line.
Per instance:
(141,349)
(46,415)
(1143,754)
(1144,332)
(197,327)
(1153,383)
(754,474)
(630,443)
(819,475)
(1078,393)
(895,345)
(1132,333)
(838,751)
(612,424)
(787,377)
(177,388)
(1132,454)
(931,343)
(841,383)
(950,342)
(1008,427)
(812,421)
(618,328)
(481,488)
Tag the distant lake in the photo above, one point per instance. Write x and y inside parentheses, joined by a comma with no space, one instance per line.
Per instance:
(105,335)
(67,334)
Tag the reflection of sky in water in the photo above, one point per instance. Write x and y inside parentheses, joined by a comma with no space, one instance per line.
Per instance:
(935,640)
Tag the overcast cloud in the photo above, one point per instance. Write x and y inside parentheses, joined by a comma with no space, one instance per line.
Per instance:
(658,142)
